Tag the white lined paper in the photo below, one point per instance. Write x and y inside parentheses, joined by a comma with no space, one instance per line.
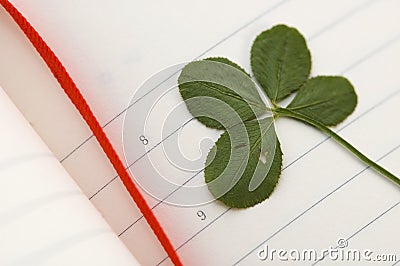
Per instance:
(338,21)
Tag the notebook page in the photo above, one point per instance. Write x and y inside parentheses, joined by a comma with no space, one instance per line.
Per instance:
(45,219)
(369,59)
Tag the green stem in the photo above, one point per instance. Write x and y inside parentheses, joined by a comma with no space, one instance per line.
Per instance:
(347,145)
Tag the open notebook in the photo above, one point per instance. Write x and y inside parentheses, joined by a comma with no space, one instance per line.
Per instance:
(110,48)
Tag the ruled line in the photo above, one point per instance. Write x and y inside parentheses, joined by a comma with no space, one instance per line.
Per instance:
(344,17)
(158,203)
(373,52)
(396,263)
(362,228)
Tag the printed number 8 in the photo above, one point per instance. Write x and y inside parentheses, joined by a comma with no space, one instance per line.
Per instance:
(144,140)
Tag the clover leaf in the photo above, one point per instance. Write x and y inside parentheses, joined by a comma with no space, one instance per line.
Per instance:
(280,61)
(328,100)
(235,173)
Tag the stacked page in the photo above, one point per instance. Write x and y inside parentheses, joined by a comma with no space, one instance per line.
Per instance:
(45,217)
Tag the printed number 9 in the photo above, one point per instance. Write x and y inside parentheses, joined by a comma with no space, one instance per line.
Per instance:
(201,215)
(144,140)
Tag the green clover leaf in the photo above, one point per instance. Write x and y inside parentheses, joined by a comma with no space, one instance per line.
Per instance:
(235,173)
(224,81)
(280,61)
(328,100)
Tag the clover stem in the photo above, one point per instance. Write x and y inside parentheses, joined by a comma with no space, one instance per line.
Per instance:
(343,142)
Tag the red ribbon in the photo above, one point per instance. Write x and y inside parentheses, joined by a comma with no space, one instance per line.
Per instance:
(72,91)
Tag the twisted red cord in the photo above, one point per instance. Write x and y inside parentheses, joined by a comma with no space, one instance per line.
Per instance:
(70,88)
